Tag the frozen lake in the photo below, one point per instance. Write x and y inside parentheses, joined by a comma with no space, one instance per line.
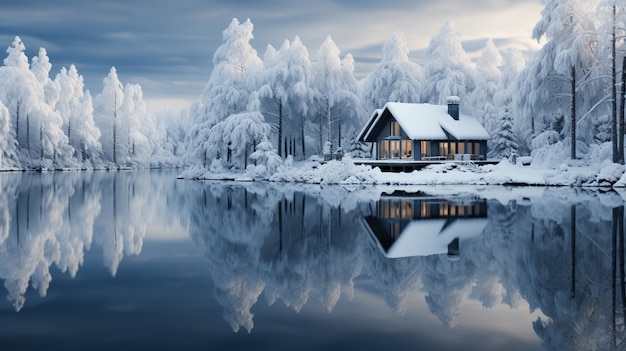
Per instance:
(140,260)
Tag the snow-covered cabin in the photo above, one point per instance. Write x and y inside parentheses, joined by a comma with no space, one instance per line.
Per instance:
(413,132)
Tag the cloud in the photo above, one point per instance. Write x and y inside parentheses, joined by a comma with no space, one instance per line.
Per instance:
(164,41)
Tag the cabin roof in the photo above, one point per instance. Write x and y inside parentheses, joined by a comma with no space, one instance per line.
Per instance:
(424,237)
(426,122)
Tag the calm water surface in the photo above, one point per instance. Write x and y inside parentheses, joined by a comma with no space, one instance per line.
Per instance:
(142,261)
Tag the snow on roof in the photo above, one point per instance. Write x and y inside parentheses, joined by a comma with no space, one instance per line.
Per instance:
(453,100)
(367,126)
(430,122)
(432,236)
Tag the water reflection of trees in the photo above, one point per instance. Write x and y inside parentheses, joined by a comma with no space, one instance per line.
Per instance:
(561,252)
(52,219)
(280,243)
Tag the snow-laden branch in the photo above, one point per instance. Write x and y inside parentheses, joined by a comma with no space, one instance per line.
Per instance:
(607,98)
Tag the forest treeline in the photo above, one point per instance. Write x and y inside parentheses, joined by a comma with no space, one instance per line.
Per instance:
(255,111)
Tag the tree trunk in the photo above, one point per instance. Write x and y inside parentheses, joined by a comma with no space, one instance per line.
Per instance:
(115,129)
(573,249)
(41,141)
(573,115)
(280,128)
(339,131)
(69,131)
(330,151)
(28,134)
(17,122)
(614,91)
(302,139)
(621,117)
(321,134)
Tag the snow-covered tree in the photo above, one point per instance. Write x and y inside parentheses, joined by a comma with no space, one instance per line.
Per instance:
(503,141)
(481,99)
(76,108)
(8,147)
(41,67)
(286,92)
(227,91)
(505,136)
(265,158)
(36,126)
(235,138)
(107,106)
(395,78)
(544,91)
(338,91)
(448,70)
(139,136)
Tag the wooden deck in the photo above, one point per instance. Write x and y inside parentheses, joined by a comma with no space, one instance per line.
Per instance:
(410,166)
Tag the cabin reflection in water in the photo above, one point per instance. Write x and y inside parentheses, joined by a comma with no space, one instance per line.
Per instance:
(406,225)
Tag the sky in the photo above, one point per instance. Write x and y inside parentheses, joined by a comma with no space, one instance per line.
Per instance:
(167,46)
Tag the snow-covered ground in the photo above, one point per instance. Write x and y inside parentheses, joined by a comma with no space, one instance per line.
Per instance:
(572,173)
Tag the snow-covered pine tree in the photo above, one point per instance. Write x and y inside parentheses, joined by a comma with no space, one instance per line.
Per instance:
(108,116)
(506,96)
(481,100)
(502,143)
(448,71)
(395,78)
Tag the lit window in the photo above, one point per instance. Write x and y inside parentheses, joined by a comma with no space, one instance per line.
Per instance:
(394,147)
(425,146)
(383,209)
(407,210)
(395,129)
(443,148)
(461,147)
(383,149)
(395,210)
(407,149)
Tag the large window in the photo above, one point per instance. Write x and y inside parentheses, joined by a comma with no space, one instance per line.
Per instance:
(407,149)
(395,129)
(476,148)
(383,149)
(394,147)
(425,146)
(443,148)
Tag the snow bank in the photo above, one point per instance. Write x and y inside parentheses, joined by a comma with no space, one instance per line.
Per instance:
(345,172)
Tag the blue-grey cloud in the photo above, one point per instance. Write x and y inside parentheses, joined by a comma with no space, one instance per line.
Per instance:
(167,46)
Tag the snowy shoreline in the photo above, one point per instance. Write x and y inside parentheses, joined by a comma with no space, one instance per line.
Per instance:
(345,172)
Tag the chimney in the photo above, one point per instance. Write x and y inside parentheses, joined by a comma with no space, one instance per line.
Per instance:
(453,106)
